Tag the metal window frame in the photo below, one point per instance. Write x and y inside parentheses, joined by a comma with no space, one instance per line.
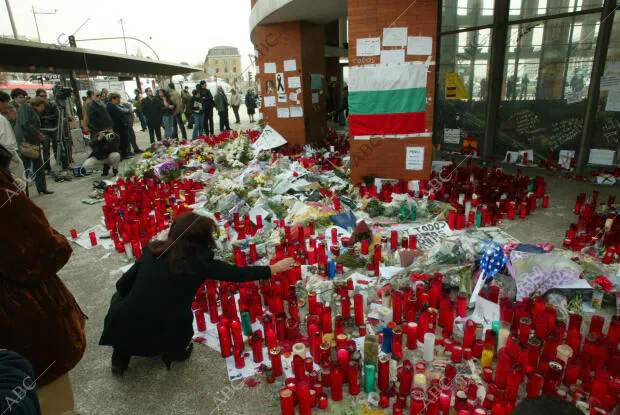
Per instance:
(499,32)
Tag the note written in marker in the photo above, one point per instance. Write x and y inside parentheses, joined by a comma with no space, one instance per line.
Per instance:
(369,46)
(270,67)
(283,113)
(395,36)
(290,65)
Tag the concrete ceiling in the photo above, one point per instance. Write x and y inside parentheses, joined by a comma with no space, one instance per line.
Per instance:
(278,11)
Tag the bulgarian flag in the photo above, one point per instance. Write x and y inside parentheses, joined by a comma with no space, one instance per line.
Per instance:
(387,100)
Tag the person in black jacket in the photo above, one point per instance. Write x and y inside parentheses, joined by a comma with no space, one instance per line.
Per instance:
(105,153)
(152,108)
(18,394)
(207,101)
(198,114)
(49,127)
(98,118)
(120,123)
(151,312)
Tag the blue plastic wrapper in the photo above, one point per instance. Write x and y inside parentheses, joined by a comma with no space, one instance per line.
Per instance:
(345,220)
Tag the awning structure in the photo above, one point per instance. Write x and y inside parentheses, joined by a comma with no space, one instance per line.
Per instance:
(35,57)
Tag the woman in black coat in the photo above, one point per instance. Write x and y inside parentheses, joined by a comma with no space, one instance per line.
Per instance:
(151,312)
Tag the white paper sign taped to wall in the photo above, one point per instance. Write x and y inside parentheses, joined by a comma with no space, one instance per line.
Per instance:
(452,135)
(370,46)
(414,158)
(395,36)
(419,45)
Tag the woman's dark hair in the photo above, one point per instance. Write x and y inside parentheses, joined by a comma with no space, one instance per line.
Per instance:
(17,92)
(5,158)
(89,93)
(190,236)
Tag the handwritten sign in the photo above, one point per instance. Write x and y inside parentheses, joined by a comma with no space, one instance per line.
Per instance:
(452,135)
(419,45)
(290,65)
(395,36)
(429,234)
(269,139)
(368,46)
(414,158)
(485,312)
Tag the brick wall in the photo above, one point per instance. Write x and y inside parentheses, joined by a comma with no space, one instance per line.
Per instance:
(302,42)
(368,18)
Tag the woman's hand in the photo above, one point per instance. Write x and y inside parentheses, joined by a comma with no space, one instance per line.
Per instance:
(282,266)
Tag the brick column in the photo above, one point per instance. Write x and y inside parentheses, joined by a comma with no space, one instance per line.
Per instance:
(303,42)
(385,157)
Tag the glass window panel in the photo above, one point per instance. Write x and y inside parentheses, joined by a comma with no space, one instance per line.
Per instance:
(535,8)
(467,14)
(607,131)
(545,89)
(467,56)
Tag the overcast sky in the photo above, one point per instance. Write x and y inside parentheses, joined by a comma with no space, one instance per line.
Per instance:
(179,31)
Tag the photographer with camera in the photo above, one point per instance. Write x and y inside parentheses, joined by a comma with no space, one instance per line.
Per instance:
(105,153)
(121,117)
(98,118)
(49,127)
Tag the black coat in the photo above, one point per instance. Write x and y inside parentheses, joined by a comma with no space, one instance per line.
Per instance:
(119,119)
(102,147)
(98,117)
(16,375)
(151,314)
(153,110)
(207,99)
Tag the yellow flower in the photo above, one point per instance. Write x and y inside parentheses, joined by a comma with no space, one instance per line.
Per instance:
(147,155)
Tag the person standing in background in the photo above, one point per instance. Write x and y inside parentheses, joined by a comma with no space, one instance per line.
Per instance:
(18,97)
(7,138)
(187,97)
(138,107)
(168,113)
(49,127)
(178,112)
(87,100)
(104,95)
(198,114)
(250,104)
(207,102)
(120,124)
(28,130)
(235,103)
(152,108)
(98,118)
(221,104)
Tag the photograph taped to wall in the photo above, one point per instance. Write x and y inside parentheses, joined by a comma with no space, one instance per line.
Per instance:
(280,83)
(395,36)
(270,87)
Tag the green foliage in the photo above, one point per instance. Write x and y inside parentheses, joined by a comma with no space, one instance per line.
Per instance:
(375,208)
(278,210)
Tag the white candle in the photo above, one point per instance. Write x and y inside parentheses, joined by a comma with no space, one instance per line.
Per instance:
(564,352)
(419,381)
(385,315)
(299,349)
(503,337)
(429,347)
(467,209)
(461,198)
(129,250)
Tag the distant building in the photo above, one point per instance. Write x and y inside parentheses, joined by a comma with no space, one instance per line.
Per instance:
(225,63)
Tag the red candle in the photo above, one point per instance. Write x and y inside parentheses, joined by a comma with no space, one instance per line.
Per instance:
(257,346)
(302,391)
(275,356)
(461,305)
(334,232)
(239,359)
(323,402)
(235,327)
(287,401)
(93,238)
(534,384)
(358,304)
(545,201)
(336,384)
(225,340)
(457,353)
(470,334)
(394,240)
(364,248)
(413,242)
(73,233)
(412,335)
(354,377)
(200,320)
(337,203)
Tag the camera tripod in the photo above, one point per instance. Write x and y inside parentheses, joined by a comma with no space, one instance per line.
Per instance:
(62,139)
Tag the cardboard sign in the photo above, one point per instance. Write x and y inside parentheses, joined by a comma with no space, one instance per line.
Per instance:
(269,139)
(429,234)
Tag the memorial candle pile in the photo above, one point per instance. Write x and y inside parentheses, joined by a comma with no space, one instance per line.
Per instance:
(479,196)
(597,225)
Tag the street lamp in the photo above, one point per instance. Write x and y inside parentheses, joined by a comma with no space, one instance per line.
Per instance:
(122,22)
(34,14)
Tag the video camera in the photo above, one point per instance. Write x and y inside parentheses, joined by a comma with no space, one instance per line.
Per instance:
(61,94)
